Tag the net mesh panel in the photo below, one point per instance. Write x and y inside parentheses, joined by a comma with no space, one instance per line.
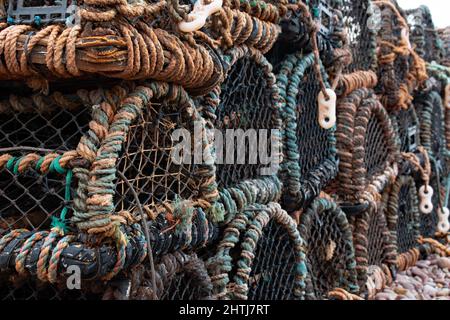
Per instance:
(273,269)
(28,200)
(27,289)
(406,223)
(377,238)
(401,67)
(401,63)
(355,19)
(187,280)
(146,159)
(183,287)
(245,104)
(313,144)
(437,132)
(407,125)
(376,147)
(321,236)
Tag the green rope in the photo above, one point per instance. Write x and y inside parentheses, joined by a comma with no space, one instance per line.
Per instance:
(13,165)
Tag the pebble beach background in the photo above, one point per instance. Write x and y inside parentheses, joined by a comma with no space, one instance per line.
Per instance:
(428,280)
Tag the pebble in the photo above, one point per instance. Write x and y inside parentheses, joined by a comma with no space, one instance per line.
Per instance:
(428,280)
(443,263)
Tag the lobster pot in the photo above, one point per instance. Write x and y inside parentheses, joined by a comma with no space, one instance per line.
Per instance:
(367,147)
(247,103)
(430,111)
(424,35)
(432,135)
(374,244)
(359,18)
(309,151)
(402,214)
(178,276)
(123,172)
(260,257)
(243,114)
(330,251)
(30,195)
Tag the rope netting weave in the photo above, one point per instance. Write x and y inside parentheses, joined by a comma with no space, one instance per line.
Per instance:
(29,199)
(310,160)
(407,125)
(29,290)
(242,110)
(261,256)
(330,253)
(179,276)
(402,213)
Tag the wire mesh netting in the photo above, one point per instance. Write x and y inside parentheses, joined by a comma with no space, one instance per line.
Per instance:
(378,239)
(374,245)
(408,129)
(376,147)
(367,145)
(309,161)
(315,145)
(30,291)
(247,103)
(177,276)
(272,276)
(259,257)
(330,251)
(358,17)
(147,161)
(30,199)
(403,214)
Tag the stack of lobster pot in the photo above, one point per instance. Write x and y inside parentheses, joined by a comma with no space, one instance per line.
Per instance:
(220,149)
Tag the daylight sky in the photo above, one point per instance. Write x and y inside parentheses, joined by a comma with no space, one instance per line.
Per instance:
(440,10)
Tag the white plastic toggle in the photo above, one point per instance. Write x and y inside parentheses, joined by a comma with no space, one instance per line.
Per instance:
(196,19)
(443,224)
(425,195)
(327,109)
